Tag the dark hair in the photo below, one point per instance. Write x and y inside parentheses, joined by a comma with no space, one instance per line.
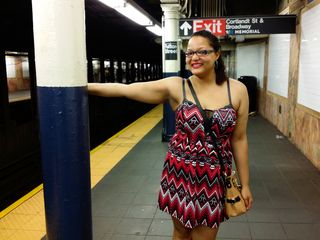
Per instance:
(214,42)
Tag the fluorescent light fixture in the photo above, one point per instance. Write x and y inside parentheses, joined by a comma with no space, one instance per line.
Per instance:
(134,14)
(129,11)
(113,3)
(156,29)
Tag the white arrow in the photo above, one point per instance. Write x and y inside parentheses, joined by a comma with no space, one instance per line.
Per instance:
(185,27)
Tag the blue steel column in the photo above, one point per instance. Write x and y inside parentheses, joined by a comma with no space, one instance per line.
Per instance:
(170,58)
(60,56)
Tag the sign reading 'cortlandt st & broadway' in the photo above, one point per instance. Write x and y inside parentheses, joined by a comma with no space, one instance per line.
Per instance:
(239,25)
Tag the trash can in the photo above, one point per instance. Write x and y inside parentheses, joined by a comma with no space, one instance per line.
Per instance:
(251,83)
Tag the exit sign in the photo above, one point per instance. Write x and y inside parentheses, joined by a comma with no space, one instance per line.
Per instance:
(239,25)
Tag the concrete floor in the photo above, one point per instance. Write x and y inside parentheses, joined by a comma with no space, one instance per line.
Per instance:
(285,185)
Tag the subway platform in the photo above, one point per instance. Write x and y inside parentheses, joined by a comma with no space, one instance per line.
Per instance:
(125,176)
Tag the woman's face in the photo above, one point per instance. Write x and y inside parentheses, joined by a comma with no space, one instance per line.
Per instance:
(201,62)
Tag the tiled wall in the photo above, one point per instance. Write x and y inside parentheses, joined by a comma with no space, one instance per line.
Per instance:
(307,133)
(300,124)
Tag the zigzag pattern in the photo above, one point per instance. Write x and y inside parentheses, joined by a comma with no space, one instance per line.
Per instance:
(191,187)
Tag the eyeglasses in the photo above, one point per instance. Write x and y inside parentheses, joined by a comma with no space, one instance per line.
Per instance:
(200,53)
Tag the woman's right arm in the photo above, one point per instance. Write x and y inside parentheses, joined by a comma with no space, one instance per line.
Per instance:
(153,92)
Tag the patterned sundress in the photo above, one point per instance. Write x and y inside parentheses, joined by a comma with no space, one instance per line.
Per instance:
(191,188)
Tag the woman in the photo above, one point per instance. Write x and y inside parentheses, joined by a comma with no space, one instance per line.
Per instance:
(191,188)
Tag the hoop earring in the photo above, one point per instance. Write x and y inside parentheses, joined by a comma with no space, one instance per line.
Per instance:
(216,64)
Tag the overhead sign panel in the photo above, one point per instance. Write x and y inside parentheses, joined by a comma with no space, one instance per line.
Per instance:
(239,25)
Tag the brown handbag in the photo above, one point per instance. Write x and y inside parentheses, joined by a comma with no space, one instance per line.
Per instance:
(234,203)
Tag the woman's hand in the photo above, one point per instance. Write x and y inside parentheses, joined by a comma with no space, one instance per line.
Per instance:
(247,196)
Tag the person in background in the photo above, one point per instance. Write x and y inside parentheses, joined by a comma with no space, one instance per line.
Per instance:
(191,185)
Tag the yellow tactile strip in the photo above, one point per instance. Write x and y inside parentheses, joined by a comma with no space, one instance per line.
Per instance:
(25,219)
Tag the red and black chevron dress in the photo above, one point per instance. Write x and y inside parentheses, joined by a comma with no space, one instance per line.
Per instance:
(191,188)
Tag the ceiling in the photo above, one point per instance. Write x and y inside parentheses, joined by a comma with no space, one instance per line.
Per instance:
(111,34)
(233,7)
(108,32)
(106,25)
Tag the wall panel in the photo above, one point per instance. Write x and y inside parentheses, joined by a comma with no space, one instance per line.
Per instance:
(250,60)
(309,70)
(278,64)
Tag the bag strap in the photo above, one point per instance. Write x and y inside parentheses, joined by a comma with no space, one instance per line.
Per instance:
(207,125)
(184,88)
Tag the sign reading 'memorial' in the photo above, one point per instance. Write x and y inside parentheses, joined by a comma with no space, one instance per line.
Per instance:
(239,25)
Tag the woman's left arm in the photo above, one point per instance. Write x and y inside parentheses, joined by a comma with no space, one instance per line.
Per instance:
(239,144)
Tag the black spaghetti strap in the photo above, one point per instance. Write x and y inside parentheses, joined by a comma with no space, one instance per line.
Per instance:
(207,125)
(194,94)
(184,88)
(229,92)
